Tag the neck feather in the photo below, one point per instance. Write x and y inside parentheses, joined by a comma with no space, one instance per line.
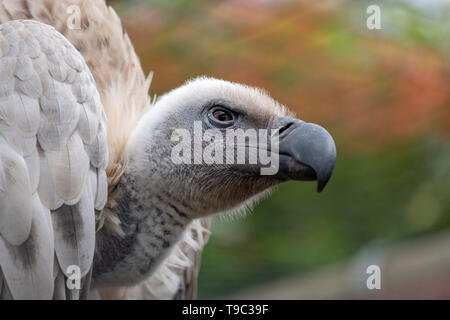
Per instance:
(152,221)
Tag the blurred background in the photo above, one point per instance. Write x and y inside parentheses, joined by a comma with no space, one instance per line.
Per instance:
(384,96)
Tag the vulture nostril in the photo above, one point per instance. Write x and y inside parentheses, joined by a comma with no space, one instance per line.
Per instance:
(284,128)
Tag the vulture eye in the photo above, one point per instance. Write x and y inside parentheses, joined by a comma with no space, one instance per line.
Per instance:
(221,117)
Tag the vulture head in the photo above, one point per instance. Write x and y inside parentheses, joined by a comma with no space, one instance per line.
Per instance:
(207,147)
(219,146)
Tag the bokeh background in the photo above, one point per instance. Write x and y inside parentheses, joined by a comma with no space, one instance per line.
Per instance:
(383,94)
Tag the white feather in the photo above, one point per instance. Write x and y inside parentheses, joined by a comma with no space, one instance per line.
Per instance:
(98,149)
(46,188)
(88,123)
(83,87)
(27,115)
(24,67)
(4,46)
(33,165)
(15,196)
(32,48)
(31,87)
(101,190)
(32,261)
(72,58)
(49,85)
(21,144)
(6,88)
(92,179)
(74,228)
(7,67)
(56,65)
(69,168)
(60,286)
(7,109)
(59,119)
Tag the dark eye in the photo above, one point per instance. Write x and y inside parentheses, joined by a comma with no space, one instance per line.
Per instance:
(221,117)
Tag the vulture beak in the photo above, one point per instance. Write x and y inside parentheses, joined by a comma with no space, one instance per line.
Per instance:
(307,152)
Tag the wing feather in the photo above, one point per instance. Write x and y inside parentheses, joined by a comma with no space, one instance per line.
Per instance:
(31,87)
(74,227)
(59,117)
(24,67)
(5,294)
(15,196)
(33,166)
(28,267)
(88,124)
(101,190)
(51,130)
(21,144)
(97,150)
(46,187)
(68,168)
(27,115)
(59,292)
(7,68)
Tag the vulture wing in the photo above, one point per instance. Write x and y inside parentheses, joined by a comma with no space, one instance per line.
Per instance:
(53,155)
(123,90)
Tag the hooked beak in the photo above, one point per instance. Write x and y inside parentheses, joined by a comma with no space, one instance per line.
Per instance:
(307,152)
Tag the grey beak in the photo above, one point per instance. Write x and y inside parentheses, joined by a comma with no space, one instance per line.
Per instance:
(307,152)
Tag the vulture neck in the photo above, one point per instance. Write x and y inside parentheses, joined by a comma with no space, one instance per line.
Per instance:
(152,221)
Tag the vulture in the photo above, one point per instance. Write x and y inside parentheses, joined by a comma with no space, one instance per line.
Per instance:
(93,204)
